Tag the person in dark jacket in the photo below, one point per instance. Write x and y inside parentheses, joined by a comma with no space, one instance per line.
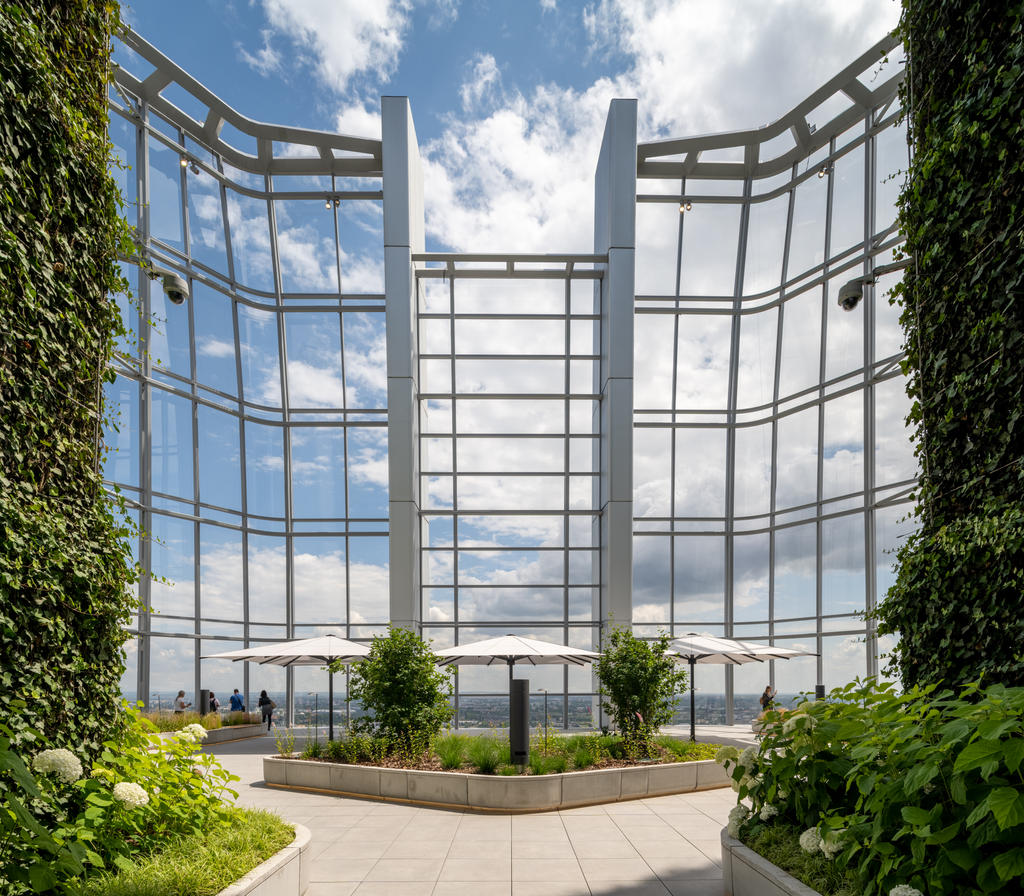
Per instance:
(267,707)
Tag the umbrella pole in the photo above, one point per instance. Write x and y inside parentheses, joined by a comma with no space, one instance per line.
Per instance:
(510,698)
(693,716)
(330,709)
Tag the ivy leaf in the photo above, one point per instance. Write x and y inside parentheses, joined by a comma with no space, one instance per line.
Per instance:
(1010,865)
(1007,806)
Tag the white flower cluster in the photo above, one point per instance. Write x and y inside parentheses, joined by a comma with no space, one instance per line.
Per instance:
(745,780)
(832,844)
(726,754)
(767,811)
(737,816)
(905,890)
(810,840)
(63,762)
(748,757)
(130,794)
(195,733)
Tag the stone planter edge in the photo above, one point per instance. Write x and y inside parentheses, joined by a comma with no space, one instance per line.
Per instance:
(495,792)
(286,873)
(745,873)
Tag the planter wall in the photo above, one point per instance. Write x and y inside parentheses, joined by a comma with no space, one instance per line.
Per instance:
(513,793)
(286,873)
(234,732)
(745,873)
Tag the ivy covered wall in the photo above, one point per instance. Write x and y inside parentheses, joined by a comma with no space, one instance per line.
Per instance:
(958,602)
(64,572)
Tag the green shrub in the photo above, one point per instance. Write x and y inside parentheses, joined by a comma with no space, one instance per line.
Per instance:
(922,788)
(407,696)
(486,753)
(640,683)
(175,721)
(59,819)
(583,757)
(451,750)
(313,750)
(357,748)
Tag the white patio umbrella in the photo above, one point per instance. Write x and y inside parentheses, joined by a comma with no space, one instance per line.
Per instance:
(512,649)
(319,651)
(694,648)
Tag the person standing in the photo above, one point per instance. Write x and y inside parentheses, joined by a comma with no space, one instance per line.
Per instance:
(214,702)
(768,698)
(179,702)
(267,707)
(237,703)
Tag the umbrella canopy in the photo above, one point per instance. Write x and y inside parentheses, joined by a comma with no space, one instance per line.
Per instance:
(319,651)
(694,648)
(771,652)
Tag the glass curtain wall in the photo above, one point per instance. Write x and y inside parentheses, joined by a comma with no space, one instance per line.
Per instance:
(772,463)
(249,433)
(507,432)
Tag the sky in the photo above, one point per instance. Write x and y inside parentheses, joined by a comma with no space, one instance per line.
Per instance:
(509,98)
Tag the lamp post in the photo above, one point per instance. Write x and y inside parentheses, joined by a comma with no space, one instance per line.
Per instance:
(316,714)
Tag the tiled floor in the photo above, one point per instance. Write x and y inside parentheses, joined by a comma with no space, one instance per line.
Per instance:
(654,846)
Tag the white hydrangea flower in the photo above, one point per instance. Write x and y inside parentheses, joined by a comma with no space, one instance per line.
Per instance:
(780,793)
(767,811)
(789,725)
(63,763)
(726,754)
(132,795)
(737,816)
(832,844)
(194,732)
(905,890)
(810,840)
(748,757)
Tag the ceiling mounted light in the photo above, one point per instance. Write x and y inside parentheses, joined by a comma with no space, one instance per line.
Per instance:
(184,161)
(327,202)
(685,207)
(194,168)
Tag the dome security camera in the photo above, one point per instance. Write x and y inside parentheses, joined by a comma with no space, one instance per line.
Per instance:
(851,293)
(175,288)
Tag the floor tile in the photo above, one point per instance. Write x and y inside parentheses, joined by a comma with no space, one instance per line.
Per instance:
(694,887)
(543,849)
(477,869)
(544,870)
(628,888)
(340,869)
(405,870)
(395,888)
(480,849)
(551,888)
(473,888)
(335,888)
(604,849)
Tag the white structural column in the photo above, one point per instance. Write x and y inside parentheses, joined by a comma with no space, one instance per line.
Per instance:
(615,235)
(403,235)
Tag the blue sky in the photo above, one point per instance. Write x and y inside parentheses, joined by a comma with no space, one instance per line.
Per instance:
(509,98)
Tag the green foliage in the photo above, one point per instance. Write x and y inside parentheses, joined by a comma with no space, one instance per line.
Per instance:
(780,845)
(64,577)
(921,788)
(198,864)
(175,721)
(142,791)
(640,683)
(400,684)
(958,603)
(487,753)
(357,748)
(451,750)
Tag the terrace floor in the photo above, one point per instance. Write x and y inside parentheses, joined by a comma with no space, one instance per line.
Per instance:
(664,845)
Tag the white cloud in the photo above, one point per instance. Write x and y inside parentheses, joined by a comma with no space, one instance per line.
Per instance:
(343,38)
(266,60)
(483,84)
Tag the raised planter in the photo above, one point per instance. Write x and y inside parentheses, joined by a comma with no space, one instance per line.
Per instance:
(745,873)
(234,732)
(286,873)
(511,793)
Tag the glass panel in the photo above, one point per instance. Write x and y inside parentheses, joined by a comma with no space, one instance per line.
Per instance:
(314,360)
(172,667)
(890,166)
(173,574)
(171,422)
(220,465)
(843,659)
(264,469)
(318,471)
(700,579)
(368,572)
(844,341)
(795,565)
(797,481)
(510,337)
(798,675)
(319,573)
(504,296)
(652,580)
(511,455)
(657,246)
(843,464)
(753,470)
(306,246)
(652,360)
(206,221)
(268,578)
(766,243)
(215,339)
(366,379)
(169,338)
(165,194)
(702,379)
(220,574)
(700,473)
(368,472)
(801,342)
(848,201)
(250,241)
(710,234)
(807,242)
(750,578)
(894,452)
(121,431)
(510,377)
(756,362)
(261,368)
(843,562)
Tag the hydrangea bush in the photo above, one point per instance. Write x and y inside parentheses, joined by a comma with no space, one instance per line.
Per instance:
(67,820)
(914,792)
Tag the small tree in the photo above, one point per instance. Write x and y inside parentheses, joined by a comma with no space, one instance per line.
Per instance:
(400,684)
(640,682)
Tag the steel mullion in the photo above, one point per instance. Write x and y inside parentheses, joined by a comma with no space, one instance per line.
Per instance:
(870,575)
